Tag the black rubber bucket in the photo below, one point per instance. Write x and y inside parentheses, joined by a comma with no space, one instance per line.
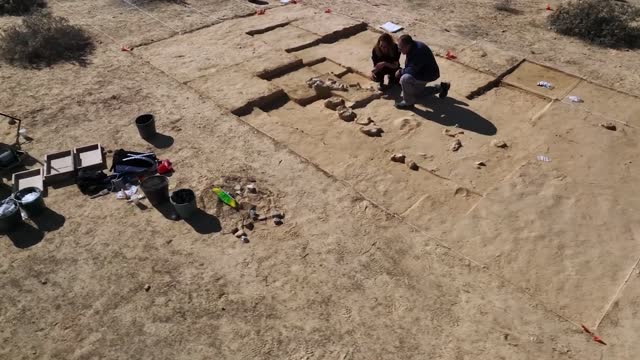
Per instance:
(184,201)
(146,125)
(30,200)
(156,189)
(11,218)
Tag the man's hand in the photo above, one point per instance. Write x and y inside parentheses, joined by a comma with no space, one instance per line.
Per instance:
(398,73)
(380,65)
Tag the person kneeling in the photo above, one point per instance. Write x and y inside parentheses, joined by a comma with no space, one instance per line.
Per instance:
(420,68)
(386,61)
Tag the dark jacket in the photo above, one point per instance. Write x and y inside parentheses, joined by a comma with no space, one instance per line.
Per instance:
(393,58)
(420,63)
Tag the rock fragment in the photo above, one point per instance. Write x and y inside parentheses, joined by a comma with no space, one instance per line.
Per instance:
(333,103)
(412,165)
(372,131)
(347,115)
(456,145)
(452,133)
(363,121)
(399,158)
(609,126)
(499,144)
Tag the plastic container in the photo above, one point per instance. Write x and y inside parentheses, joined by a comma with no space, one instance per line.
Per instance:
(156,189)
(146,125)
(11,217)
(30,200)
(184,201)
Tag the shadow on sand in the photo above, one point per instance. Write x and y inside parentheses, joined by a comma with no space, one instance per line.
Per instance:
(448,112)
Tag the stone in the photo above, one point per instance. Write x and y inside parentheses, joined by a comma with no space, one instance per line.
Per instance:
(245,240)
(371,130)
(240,233)
(313,81)
(347,115)
(452,133)
(480,163)
(399,158)
(263,218)
(461,192)
(322,89)
(277,221)
(609,126)
(456,145)
(147,287)
(333,103)
(363,121)
(499,144)
(44,281)
(341,108)
(412,165)
(252,188)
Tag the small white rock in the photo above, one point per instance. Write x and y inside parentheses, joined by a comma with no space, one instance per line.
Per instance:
(363,121)
(371,130)
(499,144)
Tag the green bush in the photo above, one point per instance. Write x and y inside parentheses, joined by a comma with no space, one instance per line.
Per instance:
(602,22)
(42,40)
(20,7)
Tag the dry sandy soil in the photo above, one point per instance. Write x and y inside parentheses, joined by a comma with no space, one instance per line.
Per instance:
(374,260)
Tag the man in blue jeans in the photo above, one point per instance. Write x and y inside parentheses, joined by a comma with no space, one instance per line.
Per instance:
(420,68)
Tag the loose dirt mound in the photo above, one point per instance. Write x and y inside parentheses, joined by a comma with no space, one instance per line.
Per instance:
(249,192)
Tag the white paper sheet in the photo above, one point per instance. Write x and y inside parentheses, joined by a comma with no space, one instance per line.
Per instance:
(391,27)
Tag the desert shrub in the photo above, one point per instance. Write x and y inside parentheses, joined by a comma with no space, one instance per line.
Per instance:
(602,22)
(19,7)
(42,39)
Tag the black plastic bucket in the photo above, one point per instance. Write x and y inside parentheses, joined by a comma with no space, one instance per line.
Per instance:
(156,189)
(32,206)
(146,125)
(11,219)
(184,201)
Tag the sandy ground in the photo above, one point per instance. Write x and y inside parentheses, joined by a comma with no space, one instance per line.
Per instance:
(374,260)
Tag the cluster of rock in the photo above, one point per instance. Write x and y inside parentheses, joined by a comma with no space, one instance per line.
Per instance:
(347,114)
(323,88)
(402,159)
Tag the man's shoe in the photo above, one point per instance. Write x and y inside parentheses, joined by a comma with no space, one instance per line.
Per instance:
(444,89)
(403,106)
(382,87)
